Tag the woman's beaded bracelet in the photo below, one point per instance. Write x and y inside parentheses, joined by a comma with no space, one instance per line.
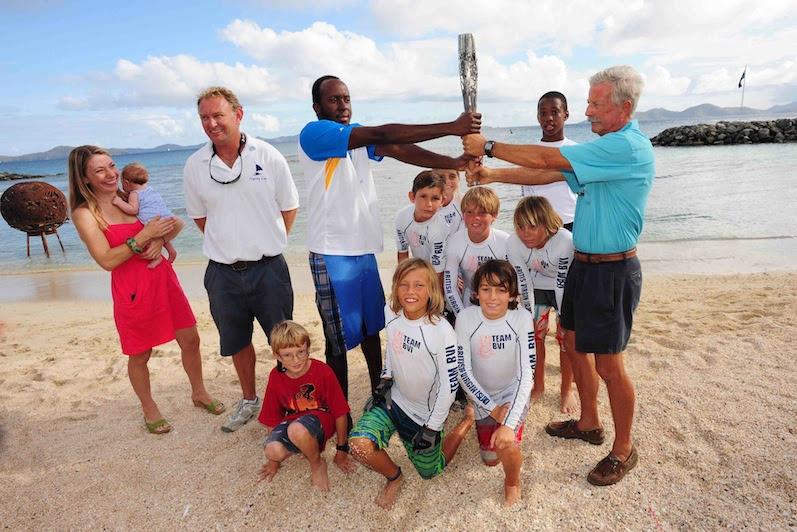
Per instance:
(131,243)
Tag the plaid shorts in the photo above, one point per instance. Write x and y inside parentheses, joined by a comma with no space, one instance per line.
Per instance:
(327,306)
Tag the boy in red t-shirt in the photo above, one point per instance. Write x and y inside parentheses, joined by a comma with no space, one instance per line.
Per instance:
(302,407)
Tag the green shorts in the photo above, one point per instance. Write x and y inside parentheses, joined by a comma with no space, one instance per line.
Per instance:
(379,424)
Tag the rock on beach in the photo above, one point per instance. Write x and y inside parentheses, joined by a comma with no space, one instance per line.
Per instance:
(724,132)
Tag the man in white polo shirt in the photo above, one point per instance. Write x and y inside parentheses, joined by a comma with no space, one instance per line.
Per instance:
(240,192)
(344,228)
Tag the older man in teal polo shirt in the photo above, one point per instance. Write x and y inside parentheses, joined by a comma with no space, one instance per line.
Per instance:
(612,177)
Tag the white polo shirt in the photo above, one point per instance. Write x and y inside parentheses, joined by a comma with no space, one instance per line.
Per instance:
(558,194)
(244,218)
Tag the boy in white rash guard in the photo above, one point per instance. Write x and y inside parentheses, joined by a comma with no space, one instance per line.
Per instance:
(450,210)
(467,250)
(417,387)
(496,358)
(541,252)
(418,227)
(552,114)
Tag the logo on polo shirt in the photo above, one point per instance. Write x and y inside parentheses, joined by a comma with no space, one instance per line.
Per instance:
(259,176)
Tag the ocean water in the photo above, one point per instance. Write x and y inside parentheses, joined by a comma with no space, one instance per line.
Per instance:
(731,204)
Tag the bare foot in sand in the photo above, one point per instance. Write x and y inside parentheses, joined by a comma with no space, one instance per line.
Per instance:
(511,495)
(568,402)
(318,475)
(268,470)
(387,498)
(537,393)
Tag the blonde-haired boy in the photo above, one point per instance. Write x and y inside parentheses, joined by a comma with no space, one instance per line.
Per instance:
(303,406)
(470,248)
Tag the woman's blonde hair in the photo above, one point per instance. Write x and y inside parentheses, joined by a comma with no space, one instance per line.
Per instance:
(532,211)
(434,308)
(80,193)
(288,334)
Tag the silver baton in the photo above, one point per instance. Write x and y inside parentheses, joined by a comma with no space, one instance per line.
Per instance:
(468,72)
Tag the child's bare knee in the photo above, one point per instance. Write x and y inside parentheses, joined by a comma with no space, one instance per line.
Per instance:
(296,431)
(361,447)
(275,451)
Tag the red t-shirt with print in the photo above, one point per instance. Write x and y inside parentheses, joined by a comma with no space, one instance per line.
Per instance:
(316,392)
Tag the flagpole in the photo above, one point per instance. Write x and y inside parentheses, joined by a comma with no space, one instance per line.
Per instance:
(741,106)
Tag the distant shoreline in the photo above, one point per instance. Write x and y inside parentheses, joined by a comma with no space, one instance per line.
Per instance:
(13,176)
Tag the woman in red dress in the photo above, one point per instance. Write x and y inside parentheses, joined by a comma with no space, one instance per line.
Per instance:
(150,307)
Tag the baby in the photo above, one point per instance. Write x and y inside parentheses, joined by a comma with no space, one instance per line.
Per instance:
(144,202)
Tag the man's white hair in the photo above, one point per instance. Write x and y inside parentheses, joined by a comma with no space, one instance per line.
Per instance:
(626,83)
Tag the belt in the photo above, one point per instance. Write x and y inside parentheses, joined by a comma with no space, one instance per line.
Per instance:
(243,265)
(596,258)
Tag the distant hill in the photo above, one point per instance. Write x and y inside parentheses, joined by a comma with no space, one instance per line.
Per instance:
(707,110)
(62,152)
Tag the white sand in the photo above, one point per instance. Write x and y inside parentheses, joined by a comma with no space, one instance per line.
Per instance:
(712,358)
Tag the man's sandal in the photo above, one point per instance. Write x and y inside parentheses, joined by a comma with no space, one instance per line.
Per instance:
(214,407)
(160,426)
(569,430)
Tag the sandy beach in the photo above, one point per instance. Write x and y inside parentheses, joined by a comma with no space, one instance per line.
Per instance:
(712,359)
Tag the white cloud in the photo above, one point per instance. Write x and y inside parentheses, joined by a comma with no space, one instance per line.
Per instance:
(165,126)
(661,82)
(262,124)
(172,81)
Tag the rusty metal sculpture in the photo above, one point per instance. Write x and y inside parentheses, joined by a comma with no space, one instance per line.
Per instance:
(38,209)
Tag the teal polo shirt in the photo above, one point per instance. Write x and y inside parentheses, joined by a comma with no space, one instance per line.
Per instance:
(612,177)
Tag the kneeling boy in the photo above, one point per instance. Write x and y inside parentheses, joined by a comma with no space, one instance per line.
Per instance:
(303,405)
(418,384)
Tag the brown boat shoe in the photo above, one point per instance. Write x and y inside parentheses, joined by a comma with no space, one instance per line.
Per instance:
(569,430)
(611,470)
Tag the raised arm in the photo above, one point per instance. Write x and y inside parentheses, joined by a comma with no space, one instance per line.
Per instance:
(410,134)
(415,155)
(527,155)
(516,175)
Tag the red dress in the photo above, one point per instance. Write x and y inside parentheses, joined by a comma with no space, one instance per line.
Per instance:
(148,304)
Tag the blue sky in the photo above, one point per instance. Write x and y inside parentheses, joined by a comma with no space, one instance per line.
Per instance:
(124,74)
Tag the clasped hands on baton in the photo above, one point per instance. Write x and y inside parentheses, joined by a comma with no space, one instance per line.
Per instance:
(473,147)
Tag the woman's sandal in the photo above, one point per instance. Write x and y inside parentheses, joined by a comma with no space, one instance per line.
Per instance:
(160,426)
(214,407)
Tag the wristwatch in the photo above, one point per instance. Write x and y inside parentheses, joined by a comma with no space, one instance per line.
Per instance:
(488,148)
(343,448)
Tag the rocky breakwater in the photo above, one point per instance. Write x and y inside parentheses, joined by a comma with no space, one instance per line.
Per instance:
(754,132)
(10,176)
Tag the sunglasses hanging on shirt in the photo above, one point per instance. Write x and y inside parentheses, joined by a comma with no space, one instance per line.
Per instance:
(210,162)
